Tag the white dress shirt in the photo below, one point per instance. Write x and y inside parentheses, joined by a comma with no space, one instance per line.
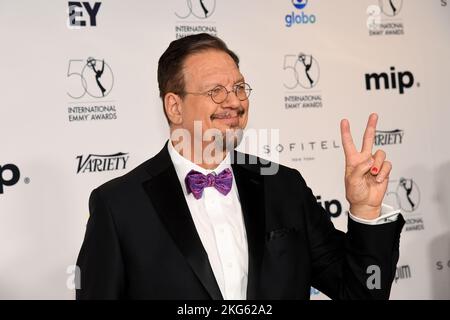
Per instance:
(220,226)
(388,214)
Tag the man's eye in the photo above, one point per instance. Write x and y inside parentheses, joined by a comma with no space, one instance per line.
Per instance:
(240,86)
(216,91)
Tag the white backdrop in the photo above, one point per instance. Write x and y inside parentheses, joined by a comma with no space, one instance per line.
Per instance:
(57,125)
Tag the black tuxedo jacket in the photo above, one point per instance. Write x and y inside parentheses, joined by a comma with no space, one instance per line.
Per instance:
(141,242)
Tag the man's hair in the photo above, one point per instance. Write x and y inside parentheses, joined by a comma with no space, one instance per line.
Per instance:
(171,62)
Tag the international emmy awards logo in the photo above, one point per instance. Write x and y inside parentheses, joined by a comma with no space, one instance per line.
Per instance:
(304,69)
(201,9)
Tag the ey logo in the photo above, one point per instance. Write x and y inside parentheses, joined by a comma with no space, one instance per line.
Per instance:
(82,14)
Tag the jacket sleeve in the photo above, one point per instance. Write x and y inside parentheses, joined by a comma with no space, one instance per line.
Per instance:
(359,264)
(100,261)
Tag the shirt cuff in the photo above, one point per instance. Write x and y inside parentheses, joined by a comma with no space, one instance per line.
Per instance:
(388,214)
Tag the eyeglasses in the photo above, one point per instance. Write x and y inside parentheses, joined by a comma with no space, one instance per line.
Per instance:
(219,94)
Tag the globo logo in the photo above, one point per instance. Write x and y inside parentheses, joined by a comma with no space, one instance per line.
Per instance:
(302,18)
(299,4)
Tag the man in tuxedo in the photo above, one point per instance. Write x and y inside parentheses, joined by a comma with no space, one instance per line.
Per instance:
(202,221)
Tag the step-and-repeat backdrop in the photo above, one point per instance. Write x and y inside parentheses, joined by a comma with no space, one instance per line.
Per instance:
(79,106)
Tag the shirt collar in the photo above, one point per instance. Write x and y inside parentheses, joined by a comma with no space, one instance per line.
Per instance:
(183,165)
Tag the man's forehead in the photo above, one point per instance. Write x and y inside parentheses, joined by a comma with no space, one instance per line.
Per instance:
(212,67)
(210,60)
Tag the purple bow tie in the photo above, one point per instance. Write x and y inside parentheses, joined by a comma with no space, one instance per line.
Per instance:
(196,182)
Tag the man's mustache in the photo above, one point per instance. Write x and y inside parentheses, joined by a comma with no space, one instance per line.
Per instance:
(228,114)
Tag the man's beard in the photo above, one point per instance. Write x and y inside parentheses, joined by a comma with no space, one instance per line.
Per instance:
(229,139)
(219,144)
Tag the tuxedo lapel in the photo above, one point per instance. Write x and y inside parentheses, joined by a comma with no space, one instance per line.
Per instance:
(167,196)
(250,186)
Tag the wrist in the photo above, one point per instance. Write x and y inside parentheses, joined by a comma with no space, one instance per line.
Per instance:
(365,212)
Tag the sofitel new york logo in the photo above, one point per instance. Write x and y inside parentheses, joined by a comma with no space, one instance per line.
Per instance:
(90,81)
(384,19)
(100,163)
(302,74)
(300,151)
(404,194)
(194,17)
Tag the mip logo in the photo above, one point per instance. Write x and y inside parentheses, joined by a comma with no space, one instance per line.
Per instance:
(391,8)
(201,9)
(299,4)
(405,195)
(76,10)
(9,176)
(303,69)
(401,80)
(91,76)
(332,207)
(302,18)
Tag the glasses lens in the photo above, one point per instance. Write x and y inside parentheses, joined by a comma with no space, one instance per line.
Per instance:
(243,91)
(219,94)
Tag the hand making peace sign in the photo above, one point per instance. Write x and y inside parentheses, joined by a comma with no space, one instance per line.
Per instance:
(366,174)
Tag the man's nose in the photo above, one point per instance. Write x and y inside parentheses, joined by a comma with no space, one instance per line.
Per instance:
(232,101)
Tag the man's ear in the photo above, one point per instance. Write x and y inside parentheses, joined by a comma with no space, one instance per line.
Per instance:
(173,107)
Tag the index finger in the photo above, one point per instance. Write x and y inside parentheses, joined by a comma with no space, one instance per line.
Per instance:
(347,140)
(369,133)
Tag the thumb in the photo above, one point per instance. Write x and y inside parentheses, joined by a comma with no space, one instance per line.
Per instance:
(364,167)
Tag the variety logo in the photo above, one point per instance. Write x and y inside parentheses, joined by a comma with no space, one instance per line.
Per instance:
(400,80)
(100,163)
(299,18)
(9,176)
(79,10)
(302,74)
(444,3)
(383,138)
(191,12)
(90,78)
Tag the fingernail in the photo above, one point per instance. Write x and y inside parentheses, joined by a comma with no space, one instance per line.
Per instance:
(371,162)
(379,179)
(374,170)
